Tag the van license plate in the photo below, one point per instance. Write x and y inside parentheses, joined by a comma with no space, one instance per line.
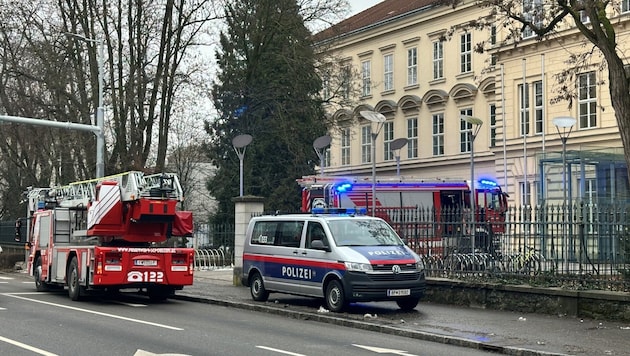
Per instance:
(398,292)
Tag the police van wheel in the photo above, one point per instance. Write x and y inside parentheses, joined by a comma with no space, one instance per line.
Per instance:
(335,299)
(40,285)
(257,288)
(407,303)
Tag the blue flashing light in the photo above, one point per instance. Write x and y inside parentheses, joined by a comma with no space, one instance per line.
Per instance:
(344,211)
(343,187)
(488,183)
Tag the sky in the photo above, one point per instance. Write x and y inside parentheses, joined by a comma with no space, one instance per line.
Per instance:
(360,5)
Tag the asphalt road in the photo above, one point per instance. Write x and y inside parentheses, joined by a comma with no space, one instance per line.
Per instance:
(34,323)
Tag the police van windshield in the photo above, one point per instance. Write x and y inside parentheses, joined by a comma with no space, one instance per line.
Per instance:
(357,232)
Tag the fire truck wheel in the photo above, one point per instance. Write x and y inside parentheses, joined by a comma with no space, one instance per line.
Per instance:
(74,289)
(158,294)
(335,299)
(407,304)
(257,288)
(40,285)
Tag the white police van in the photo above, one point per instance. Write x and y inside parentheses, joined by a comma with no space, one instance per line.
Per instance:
(342,258)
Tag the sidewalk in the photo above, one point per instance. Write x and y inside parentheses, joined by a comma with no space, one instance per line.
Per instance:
(505,332)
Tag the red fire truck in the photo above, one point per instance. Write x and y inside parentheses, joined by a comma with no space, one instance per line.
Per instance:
(102,235)
(427,213)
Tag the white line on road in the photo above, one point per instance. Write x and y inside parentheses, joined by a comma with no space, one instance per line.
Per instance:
(27,347)
(14,295)
(279,351)
(1,308)
(8,278)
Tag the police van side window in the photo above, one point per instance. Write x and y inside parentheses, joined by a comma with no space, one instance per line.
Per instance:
(291,233)
(264,233)
(314,232)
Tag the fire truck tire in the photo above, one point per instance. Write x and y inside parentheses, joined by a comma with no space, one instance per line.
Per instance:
(75,291)
(257,288)
(159,294)
(40,285)
(335,298)
(407,304)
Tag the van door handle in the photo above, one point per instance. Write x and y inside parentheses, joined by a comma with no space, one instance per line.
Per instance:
(295,252)
(304,253)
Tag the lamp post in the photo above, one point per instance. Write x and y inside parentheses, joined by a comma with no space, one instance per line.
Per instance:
(396,146)
(240,143)
(564,126)
(379,120)
(319,145)
(100,120)
(475,126)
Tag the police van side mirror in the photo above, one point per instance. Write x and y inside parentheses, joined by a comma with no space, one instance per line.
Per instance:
(319,245)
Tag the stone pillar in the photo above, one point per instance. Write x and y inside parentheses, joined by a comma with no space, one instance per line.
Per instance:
(244,208)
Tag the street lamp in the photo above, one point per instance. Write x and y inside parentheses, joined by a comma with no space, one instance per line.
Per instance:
(319,144)
(100,120)
(566,124)
(379,119)
(240,143)
(395,146)
(475,126)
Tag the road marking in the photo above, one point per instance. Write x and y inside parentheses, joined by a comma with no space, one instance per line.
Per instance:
(140,352)
(380,350)
(15,295)
(279,351)
(135,305)
(7,278)
(1,308)
(27,347)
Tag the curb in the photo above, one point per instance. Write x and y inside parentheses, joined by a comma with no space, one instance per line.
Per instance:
(362,325)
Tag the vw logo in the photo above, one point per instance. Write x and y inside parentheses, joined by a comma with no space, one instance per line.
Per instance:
(396,269)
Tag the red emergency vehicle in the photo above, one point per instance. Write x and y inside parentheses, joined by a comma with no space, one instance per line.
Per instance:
(104,234)
(432,209)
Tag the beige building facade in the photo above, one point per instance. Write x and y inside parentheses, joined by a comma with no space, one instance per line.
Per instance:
(416,64)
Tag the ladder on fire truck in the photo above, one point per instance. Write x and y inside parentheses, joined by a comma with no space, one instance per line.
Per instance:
(133,184)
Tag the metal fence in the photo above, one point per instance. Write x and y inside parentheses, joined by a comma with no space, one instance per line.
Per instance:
(581,246)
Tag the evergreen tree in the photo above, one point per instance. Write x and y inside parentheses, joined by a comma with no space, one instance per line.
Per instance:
(267,86)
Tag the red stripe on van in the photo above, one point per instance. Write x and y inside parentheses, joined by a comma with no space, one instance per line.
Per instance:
(294,261)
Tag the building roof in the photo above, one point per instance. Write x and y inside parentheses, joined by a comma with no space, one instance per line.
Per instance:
(383,11)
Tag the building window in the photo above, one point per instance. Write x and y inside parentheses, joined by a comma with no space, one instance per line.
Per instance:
(388,137)
(366,83)
(366,144)
(587,99)
(539,109)
(584,17)
(438,134)
(625,5)
(388,72)
(412,66)
(526,193)
(523,107)
(493,125)
(438,60)
(345,146)
(465,132)
(412,138)
(346,82)
(493,35)
(465,53)
(532,11)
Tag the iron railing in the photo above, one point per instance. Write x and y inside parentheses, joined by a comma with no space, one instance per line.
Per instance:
(579,246)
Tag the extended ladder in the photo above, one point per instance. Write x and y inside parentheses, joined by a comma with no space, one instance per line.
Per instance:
(133,185)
